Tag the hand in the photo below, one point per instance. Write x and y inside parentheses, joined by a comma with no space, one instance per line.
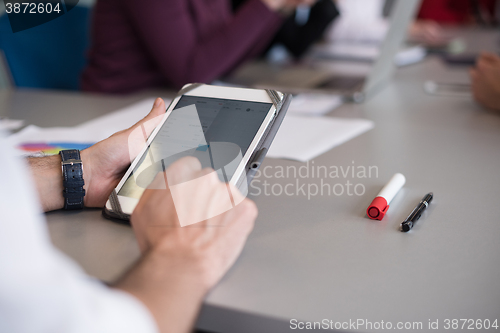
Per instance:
(105,162)
(485,81)
(427,32)
(180,264)
(286,5)
(103,165)
(216,241)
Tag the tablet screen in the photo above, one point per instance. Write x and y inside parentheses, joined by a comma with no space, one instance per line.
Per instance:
(218,132)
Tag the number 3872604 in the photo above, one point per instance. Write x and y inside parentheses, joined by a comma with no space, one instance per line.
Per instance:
(470,324)
(32,8)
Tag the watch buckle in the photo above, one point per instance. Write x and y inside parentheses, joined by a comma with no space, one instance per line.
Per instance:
(70,162)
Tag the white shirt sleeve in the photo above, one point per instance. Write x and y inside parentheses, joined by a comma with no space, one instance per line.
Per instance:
(42,290)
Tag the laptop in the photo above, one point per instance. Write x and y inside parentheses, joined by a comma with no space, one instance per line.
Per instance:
(355,81)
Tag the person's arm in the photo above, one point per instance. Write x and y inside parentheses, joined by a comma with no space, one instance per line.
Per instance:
(42,290)
(103,166)
(171,35)
(297,38)
(182,263)
(485,81)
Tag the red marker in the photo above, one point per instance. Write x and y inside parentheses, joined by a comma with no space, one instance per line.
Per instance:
(380,204)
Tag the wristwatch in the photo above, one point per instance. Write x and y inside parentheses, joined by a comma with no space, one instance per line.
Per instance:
(72,172)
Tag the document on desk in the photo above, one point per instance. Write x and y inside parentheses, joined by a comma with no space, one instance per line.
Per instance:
(120,119)
(303,138)
(311,104)
(35,140)
(367,52)
(10,124)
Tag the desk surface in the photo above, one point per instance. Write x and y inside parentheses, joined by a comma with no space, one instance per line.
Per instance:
(322,258)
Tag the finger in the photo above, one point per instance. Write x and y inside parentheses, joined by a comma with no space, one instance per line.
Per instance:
(157,110)
(138,134)
(159,182)
(183,170)
(483,65)
(205,171)
(435,32)
(153,118)
(489,57)
(200,199)
(243,217)
(473,74)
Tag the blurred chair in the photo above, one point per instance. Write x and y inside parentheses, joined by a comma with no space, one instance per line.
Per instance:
(51,55)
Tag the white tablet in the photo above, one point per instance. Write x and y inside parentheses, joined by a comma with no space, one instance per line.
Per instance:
(220,126)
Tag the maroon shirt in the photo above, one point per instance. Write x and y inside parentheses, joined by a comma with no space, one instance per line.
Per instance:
(152,43)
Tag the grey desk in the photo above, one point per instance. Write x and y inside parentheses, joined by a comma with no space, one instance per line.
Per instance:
(322,258)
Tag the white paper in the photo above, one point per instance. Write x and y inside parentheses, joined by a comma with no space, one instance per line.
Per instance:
(110,123)
(32,134)
(410,56)
(304,138)
(314,104)
(10,124)
(354,51)
(361,20)
(368,52)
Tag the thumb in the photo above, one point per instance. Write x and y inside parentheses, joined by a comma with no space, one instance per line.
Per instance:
(488,57)
(154,116)
(157,110)
(138,134)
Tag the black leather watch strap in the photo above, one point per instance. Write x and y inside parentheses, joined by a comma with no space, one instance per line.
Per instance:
(72,171)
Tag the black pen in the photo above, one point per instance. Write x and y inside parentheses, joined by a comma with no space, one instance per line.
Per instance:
(416,212)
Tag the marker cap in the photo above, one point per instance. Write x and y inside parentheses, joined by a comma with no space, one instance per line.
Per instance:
(377,209)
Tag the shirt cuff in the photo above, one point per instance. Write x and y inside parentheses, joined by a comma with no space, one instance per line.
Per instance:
(136,312)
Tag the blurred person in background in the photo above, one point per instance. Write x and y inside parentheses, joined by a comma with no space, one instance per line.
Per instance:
(365,21)
(435,13)
(460,12)
(305,26)
(485,81)
(145,44)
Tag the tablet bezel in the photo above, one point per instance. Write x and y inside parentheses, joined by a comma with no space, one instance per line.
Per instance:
(230,93)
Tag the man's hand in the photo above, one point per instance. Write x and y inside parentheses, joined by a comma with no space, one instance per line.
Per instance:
(429,33)
(182,263)
(216,241)
(103,166)
(105,162)
(485,80)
